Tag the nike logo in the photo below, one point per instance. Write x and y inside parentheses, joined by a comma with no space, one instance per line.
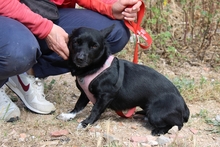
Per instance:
(25,87)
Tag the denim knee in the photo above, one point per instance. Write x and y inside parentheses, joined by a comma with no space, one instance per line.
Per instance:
(14,61)
(119,37)
(19,48)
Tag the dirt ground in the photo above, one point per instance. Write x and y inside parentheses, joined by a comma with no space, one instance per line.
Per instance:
(34,130)
(202,129)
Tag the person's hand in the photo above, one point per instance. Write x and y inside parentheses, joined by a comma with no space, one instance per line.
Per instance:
(126,9)
(57,41)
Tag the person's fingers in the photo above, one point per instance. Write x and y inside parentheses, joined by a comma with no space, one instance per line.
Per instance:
(137,5)
(58,47)
(130,16)
(66,54)
(131,10)
(62,51)
(128,2)
(57,41)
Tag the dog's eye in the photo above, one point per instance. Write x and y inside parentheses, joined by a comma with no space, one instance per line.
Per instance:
(94,46)
(77,42)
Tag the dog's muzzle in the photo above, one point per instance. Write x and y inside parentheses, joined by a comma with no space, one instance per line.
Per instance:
(81,60)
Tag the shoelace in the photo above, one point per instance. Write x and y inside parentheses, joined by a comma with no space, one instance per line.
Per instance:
(2,90)
(38,84)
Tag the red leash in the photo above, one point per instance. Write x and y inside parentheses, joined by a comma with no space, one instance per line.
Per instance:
(139,32)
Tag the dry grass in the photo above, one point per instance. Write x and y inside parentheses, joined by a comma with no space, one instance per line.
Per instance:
(198,80)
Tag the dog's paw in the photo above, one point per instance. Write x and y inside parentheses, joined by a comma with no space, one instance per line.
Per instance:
(80,126)
(157,132)
(66,116)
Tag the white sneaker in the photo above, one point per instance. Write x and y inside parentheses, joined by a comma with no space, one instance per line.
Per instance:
(31,92)
(8,110)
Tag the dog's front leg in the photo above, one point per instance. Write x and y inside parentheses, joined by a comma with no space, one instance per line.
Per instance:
(99,107)
(80,105)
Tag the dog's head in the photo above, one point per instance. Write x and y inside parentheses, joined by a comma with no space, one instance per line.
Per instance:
(88,47)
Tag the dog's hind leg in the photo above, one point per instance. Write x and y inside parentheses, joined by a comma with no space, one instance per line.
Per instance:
(80,105)
(163,124)
(159,131)
(144,113)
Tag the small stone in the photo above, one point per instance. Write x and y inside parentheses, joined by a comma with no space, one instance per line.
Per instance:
(145,145)
(162,140)
(138,139)
(194,131)
(110,138)
(22,137)
(59,133)
(152,142)
(217,118)
(134,127)
(97,134)
(173,130)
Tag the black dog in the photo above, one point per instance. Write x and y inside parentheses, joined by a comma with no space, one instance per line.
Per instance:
(121,86)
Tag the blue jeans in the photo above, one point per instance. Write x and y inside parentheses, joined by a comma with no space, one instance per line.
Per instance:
(20,50)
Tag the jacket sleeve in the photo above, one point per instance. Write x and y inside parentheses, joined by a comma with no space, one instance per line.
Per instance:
(38,25)
(102,6)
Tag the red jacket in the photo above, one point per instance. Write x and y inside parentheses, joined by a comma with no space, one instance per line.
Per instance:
(40,26)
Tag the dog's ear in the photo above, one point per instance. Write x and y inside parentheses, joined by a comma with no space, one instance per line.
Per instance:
(71,36)
(105,32)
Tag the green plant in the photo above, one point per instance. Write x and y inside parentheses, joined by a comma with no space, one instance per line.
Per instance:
(203,81)
(50,85)
(183,83)
(214,124)
(154,57)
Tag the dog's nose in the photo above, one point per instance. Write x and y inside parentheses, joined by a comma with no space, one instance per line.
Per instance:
(80,57)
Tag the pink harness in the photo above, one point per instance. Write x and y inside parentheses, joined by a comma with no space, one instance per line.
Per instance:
(85,81)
